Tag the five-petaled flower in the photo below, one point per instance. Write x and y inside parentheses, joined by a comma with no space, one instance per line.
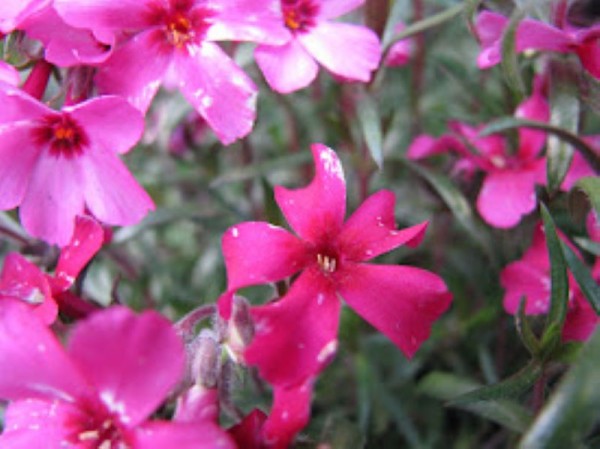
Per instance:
(400,301)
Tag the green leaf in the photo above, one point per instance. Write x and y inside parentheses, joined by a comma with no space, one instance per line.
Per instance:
(370,123)
(588,285)
(508,123)
(589,245)
(559,293)
(574,406)
(446,386)
(591,187)
(510,63)
(527,336)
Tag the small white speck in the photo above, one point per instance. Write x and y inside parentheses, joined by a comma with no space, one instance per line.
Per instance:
(235,232)
(331,163)
(76,243)
(41,347)
(327,351)
(320,299)
(285,415)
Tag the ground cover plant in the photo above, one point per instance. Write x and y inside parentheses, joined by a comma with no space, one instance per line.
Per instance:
(299,223)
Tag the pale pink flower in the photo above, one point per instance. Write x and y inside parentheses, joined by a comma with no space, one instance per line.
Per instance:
(172,43)
(54,165)
(348,51)
(100,390)
(400,301)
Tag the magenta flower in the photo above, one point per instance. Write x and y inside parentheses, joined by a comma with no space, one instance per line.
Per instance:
(400,301)
(508,190)
(100,390)
(171,42)
(349,51)
(13,12)
(535,35)
(55,164)
(401,52)
(529,277)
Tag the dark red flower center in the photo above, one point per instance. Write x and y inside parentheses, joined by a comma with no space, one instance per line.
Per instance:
(299,15)
(98,428)
(327,261)
(63,134)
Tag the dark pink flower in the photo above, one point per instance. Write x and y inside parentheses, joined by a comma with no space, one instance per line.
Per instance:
(348,51)
(400,301)
(100,390)
(536,35)
(172,43)
(508,189)
(55,164)
(401,51)
(529,277)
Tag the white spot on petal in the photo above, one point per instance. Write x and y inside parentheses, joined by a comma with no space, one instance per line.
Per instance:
(235,232)
(327,351)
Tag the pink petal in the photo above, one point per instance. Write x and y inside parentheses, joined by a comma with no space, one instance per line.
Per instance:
(248,432)
(258,253)
(87,240)
(507,195)
(22,280)
(490,27)
(300,328)
(39,367)
(581,321)
(371,230)
(8,74)
(16,165)
(578,169)
(536,108)
(13,12)
(349,51)
(522,279)
(136,359)
(17,105)
(135,70)
(536,35)
(316,212)
(401,302)
(169,435)
(110,122)
(53,199)
(589,54)
(286,68)
(104,14)
(334,8)
(425,145)
(289,415)
(111,193)
(33,424)
(218,89)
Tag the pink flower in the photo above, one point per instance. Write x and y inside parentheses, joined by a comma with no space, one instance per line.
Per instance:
(13,12)
(349,51)
(535,35)
(100,390)
(508,189)
(55,164)
(400,301)
(171,42)
(8,74)
(401,51)
(529,277)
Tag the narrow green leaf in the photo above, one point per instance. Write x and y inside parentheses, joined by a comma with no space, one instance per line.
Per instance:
(559,293)
(574,406)
(370,123)
(510,62)
(527,336)
(446,386)
(508,123)
(512,387)
(589,245)
(587,283)
(591,187)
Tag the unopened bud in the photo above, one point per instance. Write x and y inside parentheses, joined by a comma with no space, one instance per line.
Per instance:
(205,354)
(240,329)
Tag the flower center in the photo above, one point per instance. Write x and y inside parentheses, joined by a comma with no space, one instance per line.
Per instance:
(299,15)
(327,263)
(97,428)
(179,30)
(64,135)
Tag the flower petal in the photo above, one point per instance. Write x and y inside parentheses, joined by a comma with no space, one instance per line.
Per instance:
(18,105)
(258,253)
(39,367)
(522,279)
(8,74)
(104,14)
(111,193)
(581,321)
(334,8)
(22,280)
(350,51)
(193,435)
(371,230)
(110,122)
(301,328)
(401,302)
(135,70)
(248,432)
(87,240)
(536,107)
(507,195)
(316,212)
(218,89)
(53,199)
(135,361)
(286,68)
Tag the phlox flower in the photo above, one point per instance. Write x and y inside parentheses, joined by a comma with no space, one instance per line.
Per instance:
(55,164)
(329,255)
(99,391)
(533,34)
(508,189)
(529,277)
(171,42)
(350,52)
